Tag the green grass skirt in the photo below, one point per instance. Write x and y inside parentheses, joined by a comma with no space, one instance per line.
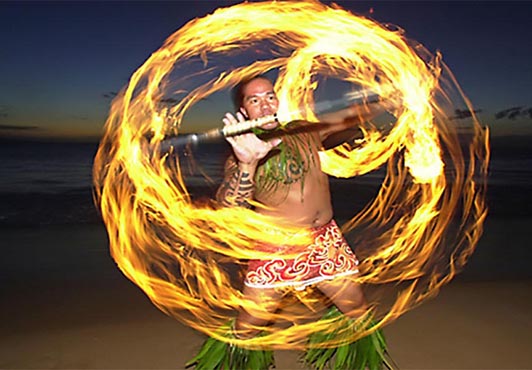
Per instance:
(368,352)
(215,355)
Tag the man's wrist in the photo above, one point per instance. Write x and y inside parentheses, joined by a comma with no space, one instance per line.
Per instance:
(247,167)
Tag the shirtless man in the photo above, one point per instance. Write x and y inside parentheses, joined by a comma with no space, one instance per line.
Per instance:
(297,191)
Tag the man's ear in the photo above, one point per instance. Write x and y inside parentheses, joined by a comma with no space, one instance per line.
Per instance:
(244,112)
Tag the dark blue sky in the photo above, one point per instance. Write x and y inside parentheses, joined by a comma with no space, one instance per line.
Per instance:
(58,60)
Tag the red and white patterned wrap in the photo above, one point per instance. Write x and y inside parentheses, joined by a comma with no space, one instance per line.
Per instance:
(327,258)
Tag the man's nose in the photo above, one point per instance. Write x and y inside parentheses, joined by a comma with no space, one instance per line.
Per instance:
(265,103)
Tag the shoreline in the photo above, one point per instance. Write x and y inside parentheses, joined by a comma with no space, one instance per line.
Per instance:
(77,207)
(64,251)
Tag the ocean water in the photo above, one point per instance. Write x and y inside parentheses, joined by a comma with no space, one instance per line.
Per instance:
(45,183)
(50,184)
(40,167)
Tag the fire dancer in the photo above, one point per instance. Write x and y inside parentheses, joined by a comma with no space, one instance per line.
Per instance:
(276,170)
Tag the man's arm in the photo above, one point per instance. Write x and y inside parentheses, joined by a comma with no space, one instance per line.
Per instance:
(237,187)
(348,118)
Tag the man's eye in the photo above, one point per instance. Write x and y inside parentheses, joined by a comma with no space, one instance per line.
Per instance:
(254,101)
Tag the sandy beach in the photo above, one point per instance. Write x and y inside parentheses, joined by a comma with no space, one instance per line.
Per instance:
(79,312)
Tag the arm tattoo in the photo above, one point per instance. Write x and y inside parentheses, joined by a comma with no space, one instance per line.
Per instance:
(237,187)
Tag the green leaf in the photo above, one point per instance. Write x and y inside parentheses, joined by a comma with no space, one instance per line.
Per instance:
(325,357)
(311,355)
(361,355)
(227,362)
(253,362)
(215,357)
(377,343)
(341,356)
(351,355)
(203,350)
(374,362)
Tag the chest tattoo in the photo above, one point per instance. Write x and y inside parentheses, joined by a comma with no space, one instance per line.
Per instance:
(287,164)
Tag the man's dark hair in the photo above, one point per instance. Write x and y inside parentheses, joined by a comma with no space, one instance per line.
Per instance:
(237,94)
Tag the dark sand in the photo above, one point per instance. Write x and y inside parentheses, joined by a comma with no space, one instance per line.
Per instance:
(79,312)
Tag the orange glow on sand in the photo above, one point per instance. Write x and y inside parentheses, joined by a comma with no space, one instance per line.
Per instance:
(416,234)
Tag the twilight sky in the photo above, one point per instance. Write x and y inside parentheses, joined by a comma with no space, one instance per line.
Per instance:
(60,61)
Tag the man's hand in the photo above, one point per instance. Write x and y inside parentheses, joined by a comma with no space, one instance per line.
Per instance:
(248,148)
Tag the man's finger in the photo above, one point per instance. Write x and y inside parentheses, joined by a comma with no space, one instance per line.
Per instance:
(230,118)
(240,117)
(274,142)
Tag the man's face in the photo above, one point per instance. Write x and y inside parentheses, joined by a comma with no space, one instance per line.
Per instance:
(259,100)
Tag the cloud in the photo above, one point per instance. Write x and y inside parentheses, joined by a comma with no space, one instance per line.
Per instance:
(464,113)
(171,101)
(514,113)
(110,95)
(18,128)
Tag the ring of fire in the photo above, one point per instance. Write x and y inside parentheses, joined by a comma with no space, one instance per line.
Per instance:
(420,228)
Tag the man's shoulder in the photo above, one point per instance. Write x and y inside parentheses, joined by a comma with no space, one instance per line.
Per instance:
(297,124)
(304,127)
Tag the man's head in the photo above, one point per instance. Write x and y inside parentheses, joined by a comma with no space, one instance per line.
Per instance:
(255,98)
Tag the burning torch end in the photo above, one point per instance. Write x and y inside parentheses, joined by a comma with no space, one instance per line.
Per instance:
(182,141)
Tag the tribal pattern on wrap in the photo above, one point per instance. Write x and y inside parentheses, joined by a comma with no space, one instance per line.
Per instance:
(328,257)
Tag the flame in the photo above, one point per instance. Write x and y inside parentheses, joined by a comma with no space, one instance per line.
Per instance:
(416,234)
